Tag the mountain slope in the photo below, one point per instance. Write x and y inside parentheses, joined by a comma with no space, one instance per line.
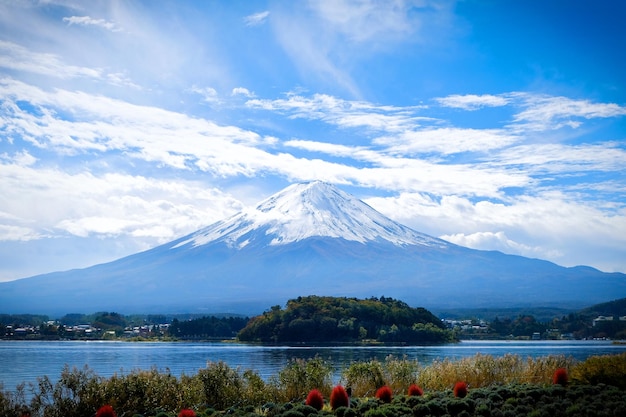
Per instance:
(302,211)
(307,239)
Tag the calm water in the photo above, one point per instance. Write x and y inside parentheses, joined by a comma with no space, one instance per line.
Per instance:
(24,361)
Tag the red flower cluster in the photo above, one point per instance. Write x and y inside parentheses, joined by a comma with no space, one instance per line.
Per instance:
(560,377)
(339,398)
(460,389)
(315,399)
(384,394)
(105,411)
(415,391)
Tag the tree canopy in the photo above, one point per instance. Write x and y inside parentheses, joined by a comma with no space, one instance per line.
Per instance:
(316,319)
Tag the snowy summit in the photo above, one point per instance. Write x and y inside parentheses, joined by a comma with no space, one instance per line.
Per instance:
(305,210)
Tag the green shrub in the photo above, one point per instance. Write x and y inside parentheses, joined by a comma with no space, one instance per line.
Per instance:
(400,374)
(76,393)
(364,378)
(292,413)
(300,376)
(306,410)
(345,412)
(222,386)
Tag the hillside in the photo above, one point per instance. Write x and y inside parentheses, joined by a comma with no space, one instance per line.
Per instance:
(316,319)
(610,308)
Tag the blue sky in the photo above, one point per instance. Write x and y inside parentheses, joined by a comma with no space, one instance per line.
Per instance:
(492,124)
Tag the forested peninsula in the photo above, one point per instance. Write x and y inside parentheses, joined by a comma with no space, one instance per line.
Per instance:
(317,319)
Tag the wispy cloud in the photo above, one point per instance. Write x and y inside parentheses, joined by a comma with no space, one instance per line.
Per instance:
(447,141)
(18,58)
(366,20)
(89,21)
(343,113)
(472,102)
(209,94)
(256,19)
(559,158)
(500,241)
(548,113)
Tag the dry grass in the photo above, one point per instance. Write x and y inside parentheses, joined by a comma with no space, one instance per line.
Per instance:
(485,370)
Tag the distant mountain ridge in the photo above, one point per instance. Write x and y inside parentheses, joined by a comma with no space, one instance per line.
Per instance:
(308,239)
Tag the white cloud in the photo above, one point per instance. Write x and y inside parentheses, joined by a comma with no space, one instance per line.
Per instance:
(18,58)
(89,21)
(559,158)
(500,241)
(84,204)
(11,232)
(208,94)
(550,225)
(256,19)
(472,102)
(241,91)
(447,141)
(343,113)
(543,112)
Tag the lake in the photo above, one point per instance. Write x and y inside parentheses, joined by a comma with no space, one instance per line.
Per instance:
(24,361)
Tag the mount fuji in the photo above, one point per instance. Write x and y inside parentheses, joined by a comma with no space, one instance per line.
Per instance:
(309,238)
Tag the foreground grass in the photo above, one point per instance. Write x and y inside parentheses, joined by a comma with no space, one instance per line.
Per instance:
(498,386)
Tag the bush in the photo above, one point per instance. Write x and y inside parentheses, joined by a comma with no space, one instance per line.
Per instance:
(399,374)
(106,411)
(608,369)
(364,378)
(384,394)
(560,377)
(221,385)
(12,403)
(339,398)
(415,391)
(301,376)
(315,399)
(460,389)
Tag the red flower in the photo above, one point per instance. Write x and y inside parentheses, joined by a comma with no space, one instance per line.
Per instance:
(460,389)
(415,391)
(384,394)
(105,411)
(186,412)
(560,377)
(339,398)
(315,399)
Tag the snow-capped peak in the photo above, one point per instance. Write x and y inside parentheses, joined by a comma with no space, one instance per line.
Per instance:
(301,211)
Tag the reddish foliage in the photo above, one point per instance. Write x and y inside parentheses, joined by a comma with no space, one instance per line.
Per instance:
(187,412)
(560,377)
(339,398)
(384,394)
(460,389)
(315,399)
(415,391)
(105,411)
